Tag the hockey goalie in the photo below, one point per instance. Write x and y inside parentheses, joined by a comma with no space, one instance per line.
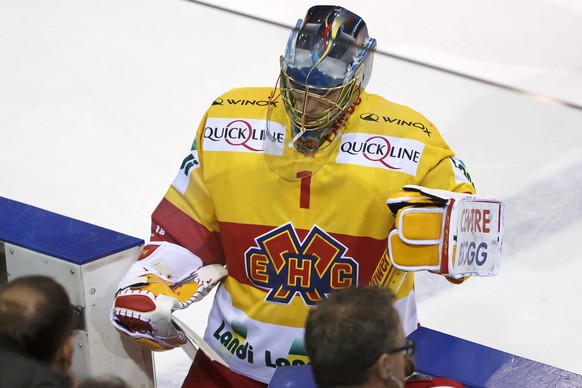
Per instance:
(291,192)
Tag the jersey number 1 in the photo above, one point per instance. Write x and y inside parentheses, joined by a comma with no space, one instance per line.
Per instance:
(305,193)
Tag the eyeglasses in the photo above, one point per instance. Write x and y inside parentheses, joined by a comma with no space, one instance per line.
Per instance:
(408,348)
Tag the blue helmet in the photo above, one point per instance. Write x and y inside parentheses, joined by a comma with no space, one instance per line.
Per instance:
(327,62)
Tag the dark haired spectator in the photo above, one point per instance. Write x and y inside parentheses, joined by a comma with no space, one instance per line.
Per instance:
(36,326)
(355,338)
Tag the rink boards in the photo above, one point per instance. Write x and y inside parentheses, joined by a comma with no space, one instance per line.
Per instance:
(88,261)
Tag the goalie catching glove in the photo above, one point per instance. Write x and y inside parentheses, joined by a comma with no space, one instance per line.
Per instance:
(451,233)
(166,278)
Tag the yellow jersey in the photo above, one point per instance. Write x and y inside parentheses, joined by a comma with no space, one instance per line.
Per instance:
(288,243)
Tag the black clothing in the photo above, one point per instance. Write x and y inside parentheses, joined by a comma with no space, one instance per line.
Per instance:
(20,370)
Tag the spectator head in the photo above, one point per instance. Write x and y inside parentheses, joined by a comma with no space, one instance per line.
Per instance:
(355,338)
(37,316)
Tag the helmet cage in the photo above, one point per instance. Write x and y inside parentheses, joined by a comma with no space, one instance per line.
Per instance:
(328,60)
(331,101)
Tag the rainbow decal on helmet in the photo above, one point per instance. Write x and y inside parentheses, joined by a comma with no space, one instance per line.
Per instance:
(330,34)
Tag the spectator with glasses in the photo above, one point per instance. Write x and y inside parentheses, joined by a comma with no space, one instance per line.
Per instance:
(355,338)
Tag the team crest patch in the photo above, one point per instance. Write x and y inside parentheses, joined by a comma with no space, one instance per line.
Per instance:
(286,266)
(460,171)
(190,163)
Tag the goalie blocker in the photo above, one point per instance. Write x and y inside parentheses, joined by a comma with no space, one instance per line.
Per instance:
(451,233)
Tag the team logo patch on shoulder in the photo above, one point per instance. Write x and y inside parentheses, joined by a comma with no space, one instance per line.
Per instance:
(190,163)
(237,135)
(286,266)
(460,171)
(378,151)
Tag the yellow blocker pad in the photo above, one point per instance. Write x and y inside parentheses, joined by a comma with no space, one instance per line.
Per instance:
(451,233)
(415,241)
(420,224)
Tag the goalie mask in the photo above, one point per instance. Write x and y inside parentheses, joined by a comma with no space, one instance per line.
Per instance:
(327,62)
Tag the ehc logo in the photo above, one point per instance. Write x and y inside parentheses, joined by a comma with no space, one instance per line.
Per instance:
(381,152)
(310,268)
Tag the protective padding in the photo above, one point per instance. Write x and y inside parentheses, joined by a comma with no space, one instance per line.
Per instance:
(405,255)
(145,314)
(154,346)
(166,261)
(183,293)
(420,225)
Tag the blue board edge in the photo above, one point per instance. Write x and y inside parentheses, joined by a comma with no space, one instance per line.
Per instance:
(59,236)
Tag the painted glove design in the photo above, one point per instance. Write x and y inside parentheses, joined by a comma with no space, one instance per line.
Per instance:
(168,278)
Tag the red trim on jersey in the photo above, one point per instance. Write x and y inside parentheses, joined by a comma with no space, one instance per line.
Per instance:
(210,374)
(179,228)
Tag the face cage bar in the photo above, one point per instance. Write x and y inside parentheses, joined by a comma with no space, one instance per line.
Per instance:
(328,116)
